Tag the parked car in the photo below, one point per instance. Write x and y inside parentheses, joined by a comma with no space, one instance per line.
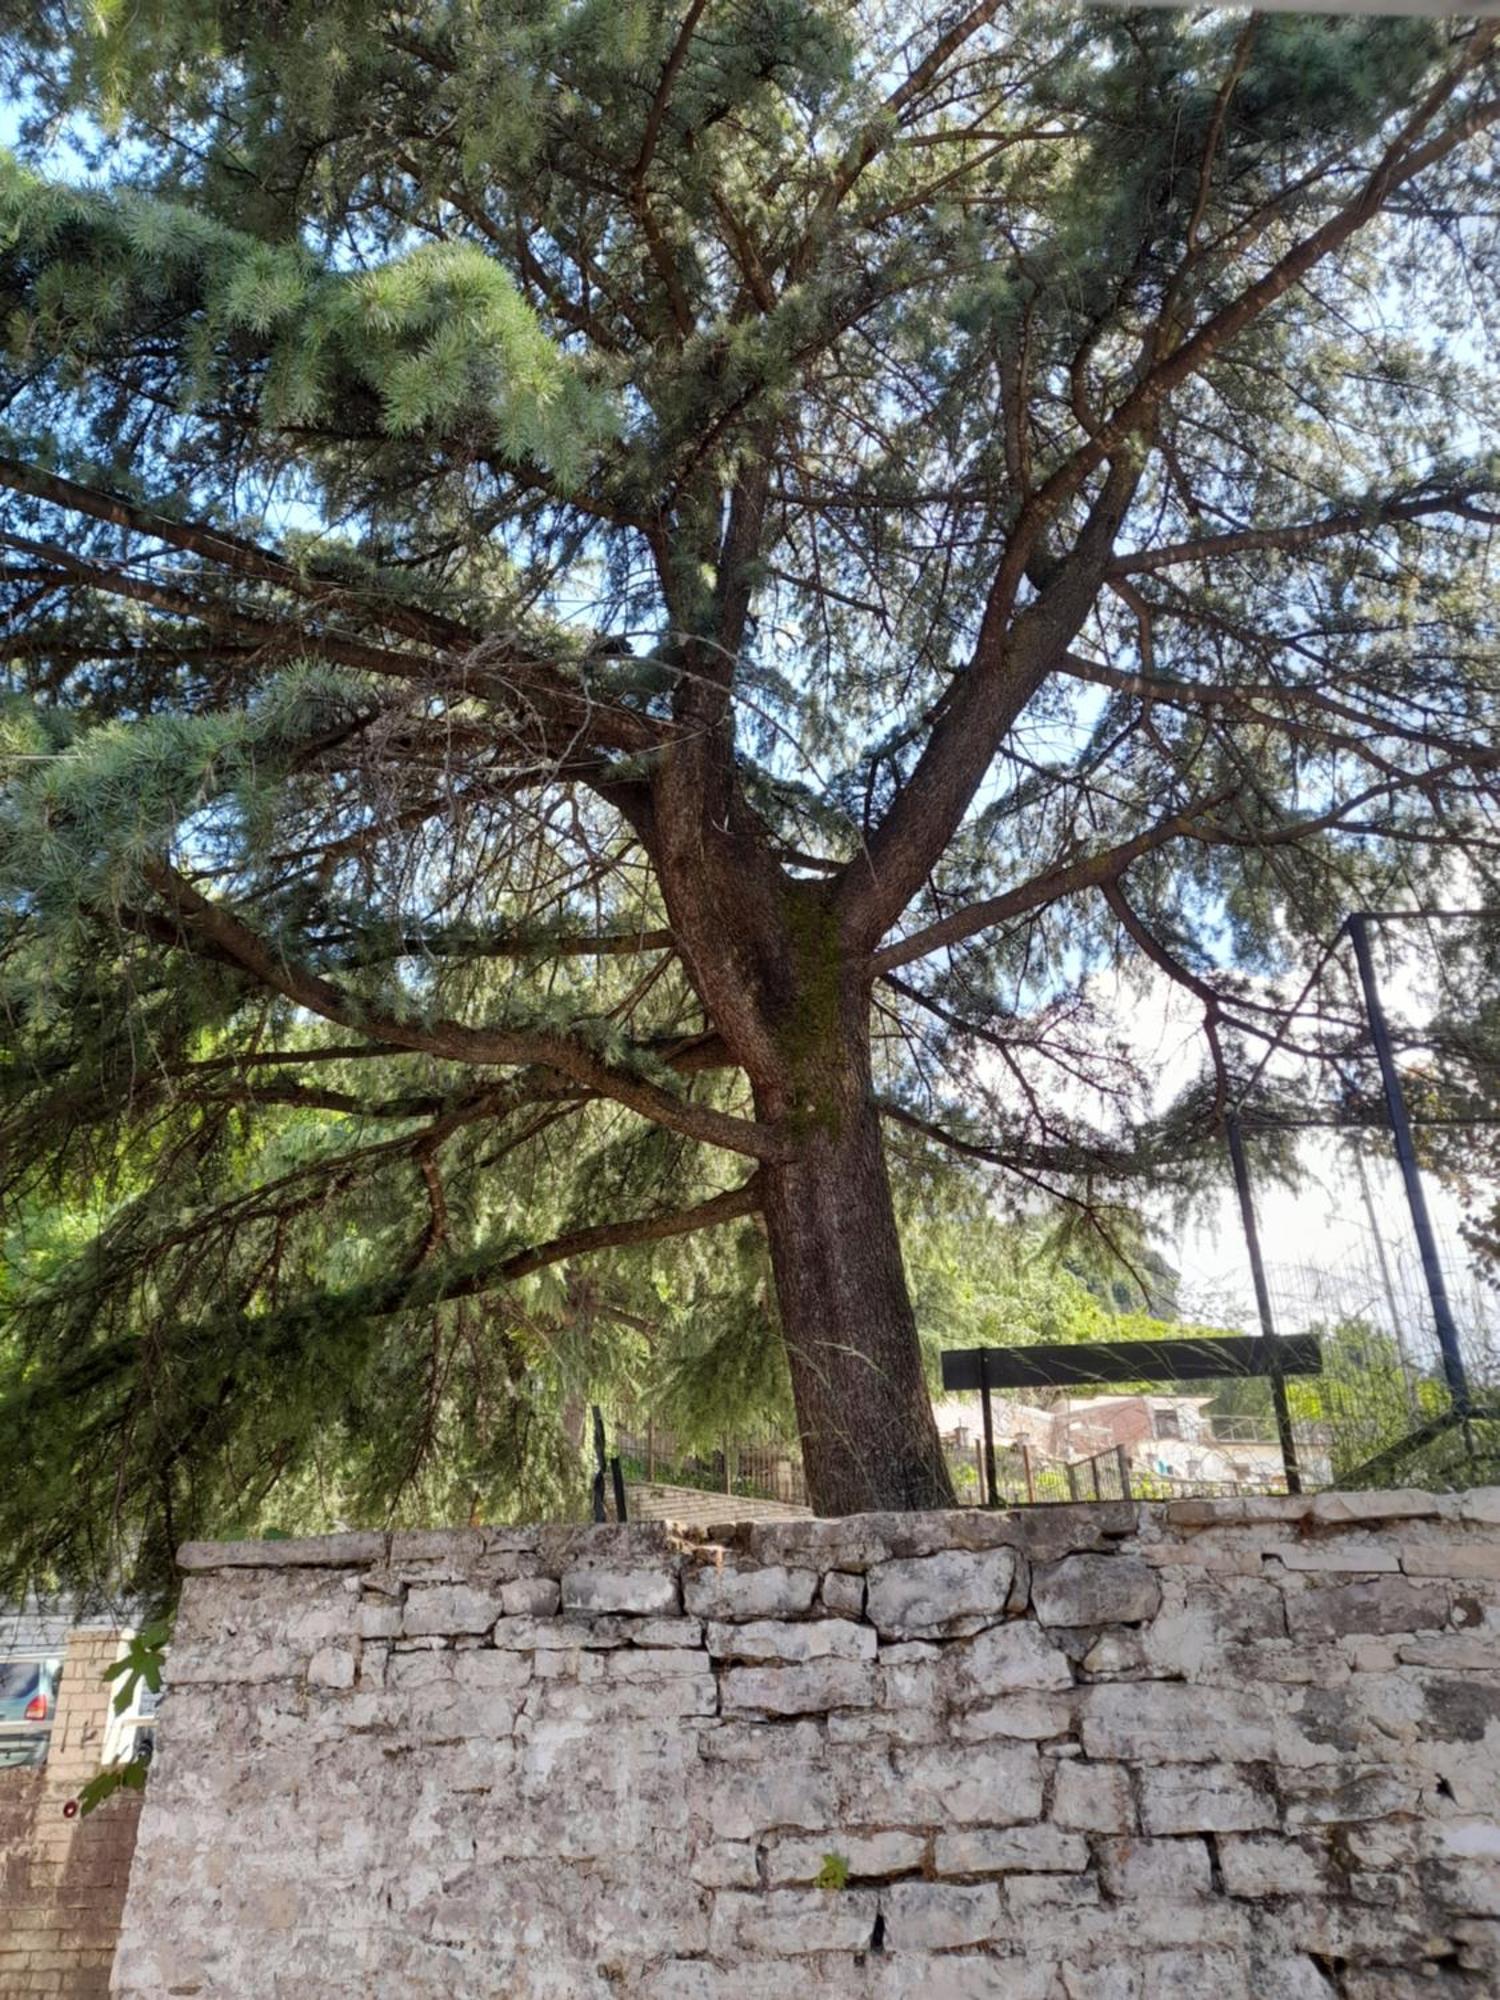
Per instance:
(28,1705)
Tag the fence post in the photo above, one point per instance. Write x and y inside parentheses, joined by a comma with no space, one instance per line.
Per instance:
(1072,1472)
(989,1427)
(1026,1468)
(1122,1460)
(1263,1303)
(1406,1153)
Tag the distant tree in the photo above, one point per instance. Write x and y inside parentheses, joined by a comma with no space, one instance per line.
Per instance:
(624,601)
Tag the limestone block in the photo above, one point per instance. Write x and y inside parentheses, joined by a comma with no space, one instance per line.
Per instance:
(1386,1604)
(1171,1722)
(530,1597)
(603,1705)
(1168,1868)
(1026,1895)
(1398,1504)
(667,1632)
(1034,1718)
(745,1801)
(1342,1554)
(445,1608)
(799,1690)
(938,1916)
(1477,1558)
(993,1850)
(701,1979)
(641,1664)
(1093,1798)
(732,1742)
(725,1591)
(1454,1650)
(378,1621)
(1095,1590)
(1004,1658)
(884,1724)
(857,1542)
(773,1639)
(349,1551)
(1117,1655)
(1343,1792)
(333,1667)
(868,1856)
(646,1592)
(788,1923)
(1166,1975)
(1481,1503)
(951,1593)
(843,1593)
(1265,1864)
(563,1635)
(1202,1798)
(727,1864)
(984,1784)
(955,1975)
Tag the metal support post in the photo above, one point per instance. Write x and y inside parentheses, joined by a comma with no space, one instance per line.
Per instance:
(1406,1155)
(1263,1304)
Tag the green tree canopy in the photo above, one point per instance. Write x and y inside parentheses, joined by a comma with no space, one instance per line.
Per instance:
(612,609)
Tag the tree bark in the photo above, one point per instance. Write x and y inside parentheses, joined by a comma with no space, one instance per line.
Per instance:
(869,1437)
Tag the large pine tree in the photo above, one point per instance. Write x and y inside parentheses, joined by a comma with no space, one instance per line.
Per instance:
(608,604)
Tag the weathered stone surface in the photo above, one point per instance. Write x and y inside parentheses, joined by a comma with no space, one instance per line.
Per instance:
(1460,1560)
(1265,1864)
(937,1916)
(774,1639)
(1022,1850)
(530,1597)
(350,1551)
(1032,1717)
(440,1610)
(866,1856)
(605,1793)
(1348,1552)
(1093,1798)
(666,1632)
(1170,1722)
(1003,1659)
(794,1922)
(1203,1798)
(1095,1590)
(815,1688)
(378,1621)
(333,1667)
(1398,1504)
(843,1593)
(645,1592)
(1153,1867)
(951,1593)
(725,1591)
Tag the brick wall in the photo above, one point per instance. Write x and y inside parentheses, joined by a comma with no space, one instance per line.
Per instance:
(62,1880)
(1242,1750)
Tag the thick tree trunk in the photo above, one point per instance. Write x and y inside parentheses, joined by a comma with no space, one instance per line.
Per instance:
(869,1439)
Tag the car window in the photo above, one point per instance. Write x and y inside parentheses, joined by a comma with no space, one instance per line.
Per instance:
(19,1679)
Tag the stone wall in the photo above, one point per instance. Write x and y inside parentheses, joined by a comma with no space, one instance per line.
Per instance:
(62,1878)
(1205,1751)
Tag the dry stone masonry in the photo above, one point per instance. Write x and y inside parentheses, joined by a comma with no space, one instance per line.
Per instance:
(1201,1751)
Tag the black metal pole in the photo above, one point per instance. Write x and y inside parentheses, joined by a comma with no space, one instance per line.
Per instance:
(599,1513)
(1406,1154)
(1263,1304)
(993,1497)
